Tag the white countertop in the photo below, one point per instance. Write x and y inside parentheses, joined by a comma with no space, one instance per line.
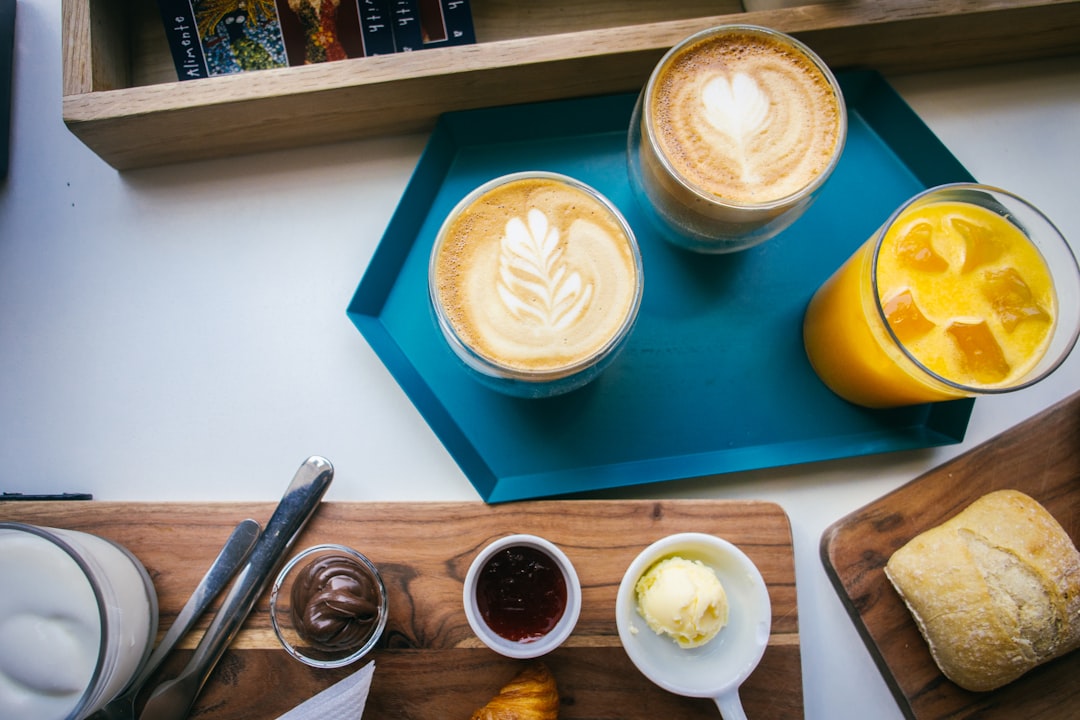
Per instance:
(180,333)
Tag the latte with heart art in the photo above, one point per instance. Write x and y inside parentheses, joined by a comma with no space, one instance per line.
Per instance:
(748,119)
(736,131)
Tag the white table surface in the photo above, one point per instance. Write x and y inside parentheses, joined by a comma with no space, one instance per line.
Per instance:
(180,333)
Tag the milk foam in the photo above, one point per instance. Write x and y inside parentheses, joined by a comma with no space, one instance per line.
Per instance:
(535,283)
(735,106)
(536,275)
(745,118)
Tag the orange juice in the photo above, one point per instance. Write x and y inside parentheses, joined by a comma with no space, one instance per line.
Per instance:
(950,299)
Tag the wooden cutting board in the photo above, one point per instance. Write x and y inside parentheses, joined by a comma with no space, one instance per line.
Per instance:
(1040,457)
(429,665)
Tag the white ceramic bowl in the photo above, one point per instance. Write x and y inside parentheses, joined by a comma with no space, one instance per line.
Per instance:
(717,668)
(526,648)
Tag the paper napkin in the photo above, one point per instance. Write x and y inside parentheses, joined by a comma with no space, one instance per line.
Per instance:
(344,699)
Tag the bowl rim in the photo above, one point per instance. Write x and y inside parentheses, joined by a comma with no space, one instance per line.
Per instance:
(562,629)
(380,622)
(743,578)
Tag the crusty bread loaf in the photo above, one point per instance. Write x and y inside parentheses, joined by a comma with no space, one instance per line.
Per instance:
(995,590)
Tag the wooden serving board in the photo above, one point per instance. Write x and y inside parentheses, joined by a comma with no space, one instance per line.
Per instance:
(1040,457)
(429,663)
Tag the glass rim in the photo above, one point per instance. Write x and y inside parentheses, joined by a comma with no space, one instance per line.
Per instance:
(489,366)
(972,390)
(645,99)
(566,623)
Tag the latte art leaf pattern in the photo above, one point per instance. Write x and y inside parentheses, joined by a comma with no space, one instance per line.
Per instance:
(535,283)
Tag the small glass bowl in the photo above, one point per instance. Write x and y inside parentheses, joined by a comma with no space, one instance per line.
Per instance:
(532,648)
(284,622)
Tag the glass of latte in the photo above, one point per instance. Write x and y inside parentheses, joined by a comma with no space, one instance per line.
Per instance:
(535,280)
(733,137)
(965,290)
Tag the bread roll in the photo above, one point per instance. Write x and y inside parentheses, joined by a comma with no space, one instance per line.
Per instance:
(995,590)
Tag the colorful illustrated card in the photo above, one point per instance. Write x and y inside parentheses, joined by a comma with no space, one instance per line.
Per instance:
(222,37)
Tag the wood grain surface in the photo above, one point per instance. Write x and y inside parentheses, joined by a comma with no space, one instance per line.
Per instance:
(1041,457)
(429,665)
(122,99)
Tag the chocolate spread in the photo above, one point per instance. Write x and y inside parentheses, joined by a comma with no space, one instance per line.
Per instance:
(335,603)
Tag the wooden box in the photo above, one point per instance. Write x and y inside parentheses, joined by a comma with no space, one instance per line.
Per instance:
(122,99)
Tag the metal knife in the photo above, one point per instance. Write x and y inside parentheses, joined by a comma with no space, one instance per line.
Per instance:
(172,699)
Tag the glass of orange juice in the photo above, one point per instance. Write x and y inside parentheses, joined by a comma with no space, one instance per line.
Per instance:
(965,290)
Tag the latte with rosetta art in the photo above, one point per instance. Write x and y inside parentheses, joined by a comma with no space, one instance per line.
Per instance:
(536,275)
(746,117)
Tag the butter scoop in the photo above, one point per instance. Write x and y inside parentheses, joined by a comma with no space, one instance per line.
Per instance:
(682,599)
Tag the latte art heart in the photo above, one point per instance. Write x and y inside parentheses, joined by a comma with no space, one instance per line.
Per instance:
(738,109)
(735,106)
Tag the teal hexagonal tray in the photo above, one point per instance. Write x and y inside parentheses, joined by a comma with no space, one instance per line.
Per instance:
(714,378)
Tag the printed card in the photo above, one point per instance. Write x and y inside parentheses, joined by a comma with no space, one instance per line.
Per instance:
(222,37)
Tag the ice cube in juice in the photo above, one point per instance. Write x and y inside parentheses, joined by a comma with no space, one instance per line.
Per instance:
(968,298)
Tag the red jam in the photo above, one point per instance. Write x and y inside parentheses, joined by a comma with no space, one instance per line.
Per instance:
(521,593)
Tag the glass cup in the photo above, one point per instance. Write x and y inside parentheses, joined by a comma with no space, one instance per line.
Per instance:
(78,618)
(965,290)
(535,281)
(733,137)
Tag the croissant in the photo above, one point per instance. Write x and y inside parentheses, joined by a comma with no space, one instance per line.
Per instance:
(531,695)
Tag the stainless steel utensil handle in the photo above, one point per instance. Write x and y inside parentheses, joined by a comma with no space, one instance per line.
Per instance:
(233,553)
(295,509)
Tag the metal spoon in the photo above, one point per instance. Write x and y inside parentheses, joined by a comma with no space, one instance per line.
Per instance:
(232,556)
(172,699)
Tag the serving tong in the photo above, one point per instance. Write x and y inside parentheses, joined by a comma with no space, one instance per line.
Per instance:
(172,699)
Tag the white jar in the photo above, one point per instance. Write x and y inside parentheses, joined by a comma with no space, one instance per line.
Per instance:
(78,618)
